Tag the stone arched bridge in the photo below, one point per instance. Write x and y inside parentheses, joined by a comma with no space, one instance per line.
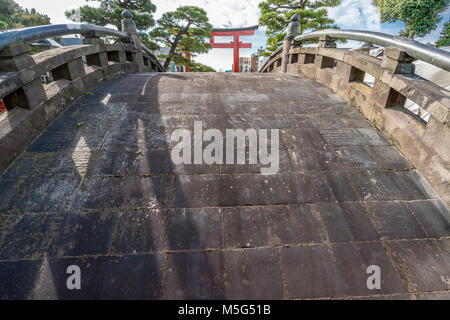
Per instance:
(96,186)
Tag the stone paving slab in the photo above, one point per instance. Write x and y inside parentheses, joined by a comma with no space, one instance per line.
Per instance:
(106,277)
(423,265)
(261,226)
(172,229)
(394,220)
(98,189)
(346,222)
(326,186)
(323,270)
(432,215)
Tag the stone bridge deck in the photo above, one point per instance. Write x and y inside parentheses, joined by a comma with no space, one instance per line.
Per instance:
(98,189)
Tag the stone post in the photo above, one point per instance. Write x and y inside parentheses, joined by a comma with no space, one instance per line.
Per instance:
(294,29)
(14,58)
(92,37)
(327,42)
(323,61)
(99,59)
(397,61)
(129,27)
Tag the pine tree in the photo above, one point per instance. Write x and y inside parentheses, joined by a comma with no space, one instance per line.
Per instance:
(277,13)
(110,12)
(198,67)
(12,16)
(183,30)
(444,39)
(419,16)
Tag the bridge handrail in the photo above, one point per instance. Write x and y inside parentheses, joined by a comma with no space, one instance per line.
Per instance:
(32,34)
(36,88)
(410,110)
(435,56)
(420,51)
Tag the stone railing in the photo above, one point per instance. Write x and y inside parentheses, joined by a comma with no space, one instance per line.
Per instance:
(31,106)
(425,143)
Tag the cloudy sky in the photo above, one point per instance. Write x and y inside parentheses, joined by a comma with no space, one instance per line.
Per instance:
(351,14)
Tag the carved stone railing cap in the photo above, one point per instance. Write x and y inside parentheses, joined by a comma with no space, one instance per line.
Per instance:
(126,14)
(294,28)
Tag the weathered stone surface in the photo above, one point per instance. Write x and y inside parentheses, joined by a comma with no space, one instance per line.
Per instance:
(82,115)
(443,295)
(393,220)
(251,273)
(337,270)
(271,226)
(14,50)
(38,195)
(195,275)
(342,137)
(317,159)
(158,230)
(139,276)
(98,189)
(73,234)
(422,264)
(433,215)
(308,187)
(17,278)
(345,222)
(124,193)
(388,157)
(155,162)
(391,185)
(354,157)
(222,190)
(52,141)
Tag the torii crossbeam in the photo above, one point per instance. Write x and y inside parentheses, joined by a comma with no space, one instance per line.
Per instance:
(235,44)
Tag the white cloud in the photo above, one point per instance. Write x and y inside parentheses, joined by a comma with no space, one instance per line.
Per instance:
(221,13)
(354,14)
(54,9)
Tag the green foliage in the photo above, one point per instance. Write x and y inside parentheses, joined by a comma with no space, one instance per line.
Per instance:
(275,15)
(110,12)
(420,16)
(12,16)
(183,30)
(34,49)
(444,39)
(198,67)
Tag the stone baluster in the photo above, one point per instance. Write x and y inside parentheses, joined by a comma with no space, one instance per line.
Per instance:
(129,27)
(15,58)
(323,61)
(294,29)
(99,59)
(396,61)
(327,42)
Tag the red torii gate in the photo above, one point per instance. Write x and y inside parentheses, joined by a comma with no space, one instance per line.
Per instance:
(235,44)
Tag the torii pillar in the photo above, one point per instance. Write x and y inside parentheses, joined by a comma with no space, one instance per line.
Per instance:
(235,44)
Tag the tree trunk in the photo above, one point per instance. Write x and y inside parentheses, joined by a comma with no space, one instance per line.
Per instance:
(174,45)
(411,34)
